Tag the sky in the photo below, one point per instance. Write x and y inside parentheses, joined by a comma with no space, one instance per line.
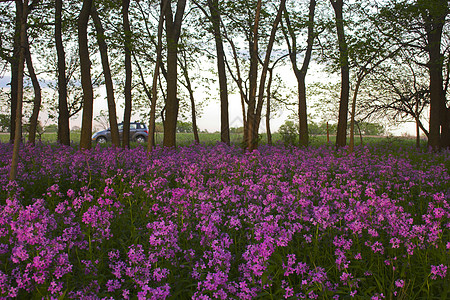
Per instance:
(210,118)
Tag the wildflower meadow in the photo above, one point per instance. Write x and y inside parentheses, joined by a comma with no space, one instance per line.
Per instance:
(216,222)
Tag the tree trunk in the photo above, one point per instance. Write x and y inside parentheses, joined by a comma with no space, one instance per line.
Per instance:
(63,111)
(151,133)
(34,119)
(183,65)
(341,136)
(302,111)
(434,14)
(262,82)
(108,78)
(128,74)
(352,116)
(15,71)
(436,96)
(86,83)
(417,135)
(360,134)
(224,119)
(328,134)
(252,132)
(18,116)
(173,27)
(268,132)
(300,74)
(194,117)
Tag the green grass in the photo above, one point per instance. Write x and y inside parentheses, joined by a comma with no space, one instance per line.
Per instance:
(236,139)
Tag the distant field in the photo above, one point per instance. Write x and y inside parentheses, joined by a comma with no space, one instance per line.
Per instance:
(212,138)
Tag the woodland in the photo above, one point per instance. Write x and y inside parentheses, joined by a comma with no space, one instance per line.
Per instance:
(394,54)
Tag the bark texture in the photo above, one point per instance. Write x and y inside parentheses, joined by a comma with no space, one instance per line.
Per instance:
(300,73)
(213,6)
(173,29)
(63,111)
(341,135)
(128,74)
(108,78)
(18,116)
(86,83)
(34,119)
(151,133)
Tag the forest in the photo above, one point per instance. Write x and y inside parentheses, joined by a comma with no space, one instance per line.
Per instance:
(391,59)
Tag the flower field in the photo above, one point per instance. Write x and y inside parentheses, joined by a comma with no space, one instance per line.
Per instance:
(214,222)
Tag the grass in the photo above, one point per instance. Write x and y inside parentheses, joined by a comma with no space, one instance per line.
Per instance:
(184,139)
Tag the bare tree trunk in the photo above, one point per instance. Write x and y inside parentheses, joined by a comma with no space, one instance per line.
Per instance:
(300,74)
(341,135)
(37,96)
(188,86)
(224,119)
(328,134)
(151,133)
(108,78)
(417,135)
(253,79)
(436,98)
(360,134)
(63,111)
(86,83)
(434,14)
(352,116)
(128,74)
(18,117)
(268,132)
(194,117)
(173,27)
(15,71)
(257,116)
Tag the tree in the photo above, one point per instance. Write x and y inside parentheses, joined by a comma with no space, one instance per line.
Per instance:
(418,27)
(128,73)
(5,123)
(400,94)
(216,21)
(254,104)
(214,17)
(368,51)
(63,111)
(184,65)
(434,13)
(23,6)
(14,61)
(34,122)
(300,73)
(85,65)
(173,29)
(108,77)
(163,7)
(341,136)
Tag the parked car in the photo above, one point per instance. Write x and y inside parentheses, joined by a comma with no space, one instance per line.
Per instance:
(138,133)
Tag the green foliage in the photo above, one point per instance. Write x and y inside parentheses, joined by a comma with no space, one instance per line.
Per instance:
(184,127)
(51,128)
(5,123)
(368,128)
(237,130)
(321,128)
(289,132)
